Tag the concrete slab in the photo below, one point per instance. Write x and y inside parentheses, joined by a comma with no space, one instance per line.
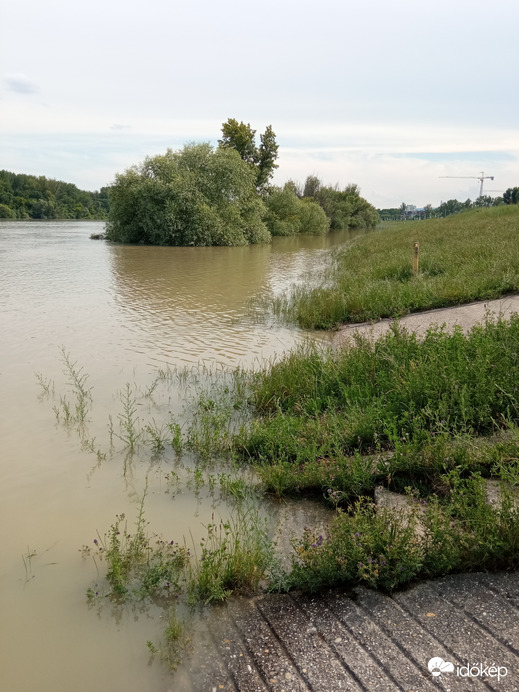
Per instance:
(464,316)
(364,640)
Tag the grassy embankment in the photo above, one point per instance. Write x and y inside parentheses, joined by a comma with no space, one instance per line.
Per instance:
(470,256)
(434,418)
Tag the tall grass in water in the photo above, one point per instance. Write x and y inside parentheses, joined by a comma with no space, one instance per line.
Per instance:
(467,257)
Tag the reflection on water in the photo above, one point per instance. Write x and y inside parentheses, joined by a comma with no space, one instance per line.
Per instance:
(119,312)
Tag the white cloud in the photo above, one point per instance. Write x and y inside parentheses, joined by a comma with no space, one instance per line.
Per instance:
(369,92)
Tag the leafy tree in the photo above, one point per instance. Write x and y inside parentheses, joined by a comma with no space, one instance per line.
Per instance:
(344,208)
(287,214)
(312,186)
(196,196)
(29,196)
(262,159)
(511,196)
(6,212)
(266,157)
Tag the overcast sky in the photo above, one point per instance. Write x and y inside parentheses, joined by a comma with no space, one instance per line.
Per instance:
(387,94)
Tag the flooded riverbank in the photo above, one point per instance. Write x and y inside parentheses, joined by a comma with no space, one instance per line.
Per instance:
(120,313)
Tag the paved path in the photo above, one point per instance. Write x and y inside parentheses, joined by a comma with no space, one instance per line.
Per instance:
(363,640)
(464,316)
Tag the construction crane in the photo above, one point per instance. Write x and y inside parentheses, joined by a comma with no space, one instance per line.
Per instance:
(481,178)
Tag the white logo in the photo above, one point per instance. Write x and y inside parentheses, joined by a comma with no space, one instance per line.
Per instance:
(437,666)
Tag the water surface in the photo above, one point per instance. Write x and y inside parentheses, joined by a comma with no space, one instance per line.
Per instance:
(120,312)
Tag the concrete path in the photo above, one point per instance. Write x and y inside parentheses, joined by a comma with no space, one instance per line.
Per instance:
(464,316)
(363,640)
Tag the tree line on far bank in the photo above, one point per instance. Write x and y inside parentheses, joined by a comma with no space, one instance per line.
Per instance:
(452,206)
(202,195)
(36,197)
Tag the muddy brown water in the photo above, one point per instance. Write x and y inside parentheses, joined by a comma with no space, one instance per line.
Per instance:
(120,313)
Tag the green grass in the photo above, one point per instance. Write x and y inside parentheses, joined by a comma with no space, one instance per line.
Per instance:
(433,418)
(316,405)
(466,257)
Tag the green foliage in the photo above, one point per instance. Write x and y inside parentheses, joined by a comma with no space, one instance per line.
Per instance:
(261,159)
(324,406)
(511,195)
(6,212)
(139,565)
(196,196)
(376,548)
(236,555)
(386,549)
(31,197)
(288,215)
(467,257)
(344,208)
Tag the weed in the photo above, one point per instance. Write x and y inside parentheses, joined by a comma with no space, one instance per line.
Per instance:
(235,556)
(137,564)
(47,386)
(77,379)
(156,436)
(128,419)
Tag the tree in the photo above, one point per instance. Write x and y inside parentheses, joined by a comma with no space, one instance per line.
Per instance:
(29,196)
(312,186)
(266,158)
(196,196)
(511,196)
(262,159)
(287,214)
(6,212)
(344,208)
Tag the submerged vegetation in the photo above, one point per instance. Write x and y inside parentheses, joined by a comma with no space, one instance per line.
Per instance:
(435,419)
(432,421)
(472,256)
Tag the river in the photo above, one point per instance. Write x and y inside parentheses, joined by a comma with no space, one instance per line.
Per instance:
(118,313)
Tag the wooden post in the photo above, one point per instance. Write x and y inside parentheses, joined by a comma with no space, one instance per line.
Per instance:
(415,259)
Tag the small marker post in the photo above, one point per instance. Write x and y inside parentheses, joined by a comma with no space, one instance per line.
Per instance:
(415,258)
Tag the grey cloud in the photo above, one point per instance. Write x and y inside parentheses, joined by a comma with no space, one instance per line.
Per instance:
(20,84)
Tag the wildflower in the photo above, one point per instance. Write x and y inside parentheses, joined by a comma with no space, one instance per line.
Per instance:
(95,541)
